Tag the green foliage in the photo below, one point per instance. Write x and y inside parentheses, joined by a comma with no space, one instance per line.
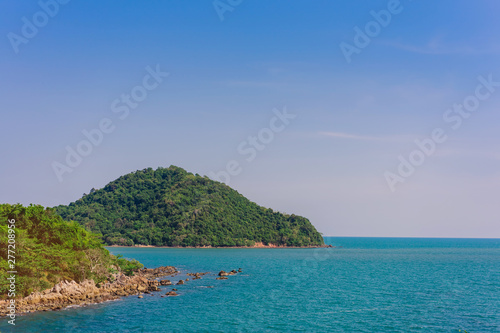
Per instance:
(49,249)
(128,267)
(172,207)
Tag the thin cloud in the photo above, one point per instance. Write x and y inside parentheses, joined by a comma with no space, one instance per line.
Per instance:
(437,48)
(253,84)
(463,153)
(350,136)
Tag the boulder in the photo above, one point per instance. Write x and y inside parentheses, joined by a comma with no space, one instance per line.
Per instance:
(172,293)
(222,273)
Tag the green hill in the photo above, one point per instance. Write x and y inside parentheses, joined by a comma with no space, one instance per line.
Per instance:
(172,207)
(44,249)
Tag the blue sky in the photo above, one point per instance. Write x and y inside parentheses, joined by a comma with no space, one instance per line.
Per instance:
(329,163)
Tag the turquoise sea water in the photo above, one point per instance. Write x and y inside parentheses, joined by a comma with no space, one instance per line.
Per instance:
(362,285)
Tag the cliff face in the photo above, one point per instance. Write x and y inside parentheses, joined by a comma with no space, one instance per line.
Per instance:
(171,207)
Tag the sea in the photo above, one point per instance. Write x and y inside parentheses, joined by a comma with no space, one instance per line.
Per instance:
(358,285)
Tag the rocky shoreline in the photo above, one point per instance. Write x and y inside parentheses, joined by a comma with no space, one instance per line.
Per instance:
(65,294)
(71,293)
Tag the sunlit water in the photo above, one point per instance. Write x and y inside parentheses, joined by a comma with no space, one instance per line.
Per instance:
(362,285)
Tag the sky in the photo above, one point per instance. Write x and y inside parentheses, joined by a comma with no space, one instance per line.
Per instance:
(370,118)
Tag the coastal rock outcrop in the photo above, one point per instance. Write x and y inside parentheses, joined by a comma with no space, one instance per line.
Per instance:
(70,293)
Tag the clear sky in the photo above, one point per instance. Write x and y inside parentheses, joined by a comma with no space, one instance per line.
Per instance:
(359,81)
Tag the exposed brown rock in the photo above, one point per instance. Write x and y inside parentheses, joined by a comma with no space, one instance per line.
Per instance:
(67,293)
(165,282)
(172,293)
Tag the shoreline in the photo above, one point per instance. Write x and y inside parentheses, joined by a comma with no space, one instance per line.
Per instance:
(256,246)
(73,294)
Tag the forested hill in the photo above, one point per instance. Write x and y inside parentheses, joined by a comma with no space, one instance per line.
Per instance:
(172,207)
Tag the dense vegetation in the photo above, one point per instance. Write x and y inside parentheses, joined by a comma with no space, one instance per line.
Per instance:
(49,249)
(172,207)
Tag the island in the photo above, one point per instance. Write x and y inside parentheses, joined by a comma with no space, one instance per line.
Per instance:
(172,207)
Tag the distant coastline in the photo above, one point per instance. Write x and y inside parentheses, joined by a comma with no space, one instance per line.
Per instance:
(258,245)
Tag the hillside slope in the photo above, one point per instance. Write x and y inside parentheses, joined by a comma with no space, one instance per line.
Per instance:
(171,207)
(44,250)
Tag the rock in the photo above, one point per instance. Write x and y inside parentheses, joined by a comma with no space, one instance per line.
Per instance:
(174,289)
(222,278)
(180,282)
(172,293)
(222,273)
(165,282)
(239,270)
(140,296)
